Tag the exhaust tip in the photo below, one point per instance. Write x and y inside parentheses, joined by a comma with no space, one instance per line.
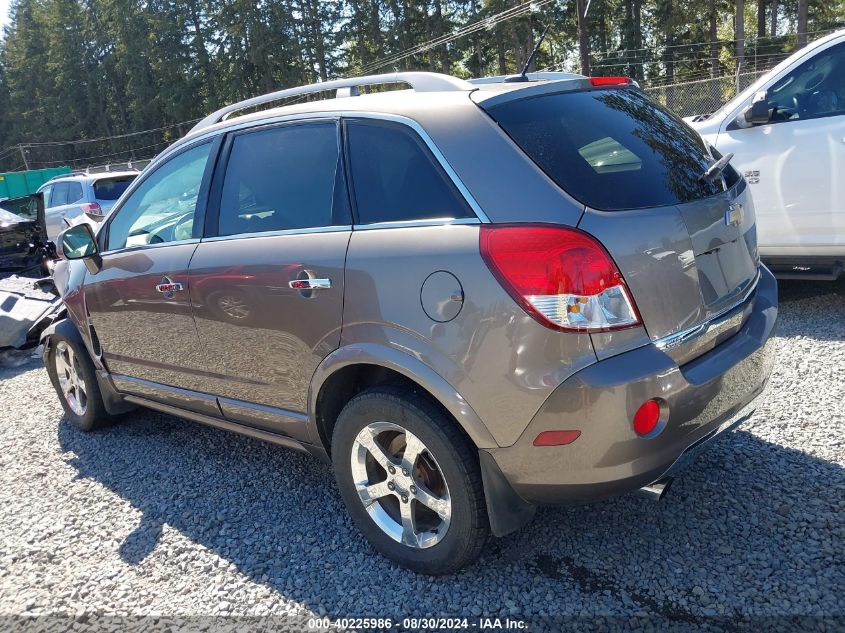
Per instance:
(657,489)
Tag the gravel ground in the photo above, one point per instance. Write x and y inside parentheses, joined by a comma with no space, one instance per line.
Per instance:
(157,516)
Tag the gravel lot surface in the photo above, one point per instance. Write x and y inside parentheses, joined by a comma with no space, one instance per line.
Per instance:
(165,517)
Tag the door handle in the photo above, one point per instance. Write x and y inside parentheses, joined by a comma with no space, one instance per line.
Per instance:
(310,284)
(169,287)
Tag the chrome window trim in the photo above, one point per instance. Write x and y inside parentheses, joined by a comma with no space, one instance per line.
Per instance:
(407,223)
(143,247)
(249,122)
(438,155)
(303,231)
(337,116)
(691,333)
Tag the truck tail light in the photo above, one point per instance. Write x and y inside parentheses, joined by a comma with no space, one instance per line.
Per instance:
(92,208)
(561,276)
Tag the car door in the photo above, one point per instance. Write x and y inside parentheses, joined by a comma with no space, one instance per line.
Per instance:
(267,281)
(795,162)
(138,302)
(55,202)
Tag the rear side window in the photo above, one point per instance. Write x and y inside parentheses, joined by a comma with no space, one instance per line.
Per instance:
(111,188)
(59,195)
(395,177)
(74,192)
(283,178)
(610,149)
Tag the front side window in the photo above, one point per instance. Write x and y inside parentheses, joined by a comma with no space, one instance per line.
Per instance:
(610,149)
(163,207)
(815,89)
(46,191)
(282,178)
(395,177)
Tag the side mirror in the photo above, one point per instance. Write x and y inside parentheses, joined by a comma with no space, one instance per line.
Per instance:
(758,113)
(78,242)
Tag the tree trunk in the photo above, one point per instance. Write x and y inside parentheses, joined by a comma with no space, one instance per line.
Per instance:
(439,31)
(583,38)
(714,45)
(802,23)
(500,51)
(773,29)
(739,34)
(638,37)
(761,19)
(319,40)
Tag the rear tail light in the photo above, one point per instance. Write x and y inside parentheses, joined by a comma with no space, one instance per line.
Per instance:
(609,81)
(92,208)
(562,277)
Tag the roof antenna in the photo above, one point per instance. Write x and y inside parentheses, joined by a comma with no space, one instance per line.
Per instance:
(522,75)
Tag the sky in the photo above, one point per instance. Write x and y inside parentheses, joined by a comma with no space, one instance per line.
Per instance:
(4,12)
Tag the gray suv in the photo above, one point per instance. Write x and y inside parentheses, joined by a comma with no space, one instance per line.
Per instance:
(471,298)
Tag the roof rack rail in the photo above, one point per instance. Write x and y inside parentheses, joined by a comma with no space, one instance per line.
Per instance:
(75,172)
(419,81)
(538,76)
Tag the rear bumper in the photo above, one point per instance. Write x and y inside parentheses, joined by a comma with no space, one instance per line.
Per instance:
(704,397)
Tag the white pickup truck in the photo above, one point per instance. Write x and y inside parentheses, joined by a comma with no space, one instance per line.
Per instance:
(787,135)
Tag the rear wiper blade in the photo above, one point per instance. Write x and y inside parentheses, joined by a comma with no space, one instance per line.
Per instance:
(716,167)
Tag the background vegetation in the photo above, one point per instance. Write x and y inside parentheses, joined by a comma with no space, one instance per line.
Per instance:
(89,71)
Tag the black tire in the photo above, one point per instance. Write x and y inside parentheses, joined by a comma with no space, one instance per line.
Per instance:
(94,414)
(454,457)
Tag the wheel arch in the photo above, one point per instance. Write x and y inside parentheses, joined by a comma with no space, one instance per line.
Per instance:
(66,328)
(353,368)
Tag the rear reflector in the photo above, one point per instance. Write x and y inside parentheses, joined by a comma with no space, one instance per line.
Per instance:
(560,276)
(609,81)
(647,417)
(556,438)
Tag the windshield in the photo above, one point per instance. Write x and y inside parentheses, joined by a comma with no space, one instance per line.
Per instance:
(7,217)
(611,149)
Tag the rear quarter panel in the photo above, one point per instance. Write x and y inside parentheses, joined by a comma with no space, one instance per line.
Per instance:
(499,359)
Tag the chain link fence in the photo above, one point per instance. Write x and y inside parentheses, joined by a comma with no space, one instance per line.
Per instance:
(703,95)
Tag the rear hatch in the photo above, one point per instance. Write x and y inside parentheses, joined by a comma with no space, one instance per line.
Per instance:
(686,245)
(108,190)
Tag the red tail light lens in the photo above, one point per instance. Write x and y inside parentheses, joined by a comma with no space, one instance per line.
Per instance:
(556,438)
(647,417)
(92,208)
(562,277)
(609,81)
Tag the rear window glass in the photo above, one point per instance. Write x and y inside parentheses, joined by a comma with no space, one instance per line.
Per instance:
(59,196)
(111,188)
(610,149)
(282,178)
(396,178)
(74,192)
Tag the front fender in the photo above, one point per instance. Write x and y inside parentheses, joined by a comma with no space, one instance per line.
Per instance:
(410,367)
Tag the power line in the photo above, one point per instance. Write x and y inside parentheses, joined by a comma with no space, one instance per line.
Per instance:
(109,138)
(89,158)
(482,24)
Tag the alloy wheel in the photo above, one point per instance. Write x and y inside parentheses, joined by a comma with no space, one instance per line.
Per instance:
(233,307)
(71,381)
(401,485)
